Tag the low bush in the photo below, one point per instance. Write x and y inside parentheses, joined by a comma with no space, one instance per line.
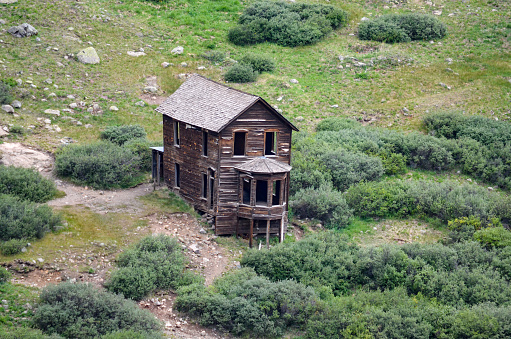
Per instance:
(121,134)
(493,237)
(154,263)
(141,149)
(13,246)
(295,24)
(245,304)
(5,276)
(402,28)
(25,220)
(27,333)
(337,124)
(324,204)
(83,311)
(100,165)
(214,56)
(130,334)
(241,73)
(259,63)
(5,94)
(26,184)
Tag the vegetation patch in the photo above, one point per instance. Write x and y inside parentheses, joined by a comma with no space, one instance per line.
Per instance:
(402,28)
(286,24)
(83,311)
(241,73)
(121,134)
(5,94)
(26,184)
(154,263)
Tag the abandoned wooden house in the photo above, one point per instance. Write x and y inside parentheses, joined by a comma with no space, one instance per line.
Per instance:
(228,154)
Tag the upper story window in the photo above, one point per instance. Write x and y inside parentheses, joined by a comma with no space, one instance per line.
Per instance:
(270,143)
(247,190)
(177,140)
(205,143)
(261,192)
(276,196)
(239,143)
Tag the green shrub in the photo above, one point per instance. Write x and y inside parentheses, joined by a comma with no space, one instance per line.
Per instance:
(348,168)
(17,129)
(83,311)
(27,333)
(214,56)
(25,220)
(337,124)
(13,246)
(121,134)
(130,334)
(323,204)
(154,263)
(249,305)
(382,31)
(141,148)
(259,63)
(5,94)
(100,165)
(493,237)
(402,28)
(5,276)
(26,184)
(241,73)
(286,24)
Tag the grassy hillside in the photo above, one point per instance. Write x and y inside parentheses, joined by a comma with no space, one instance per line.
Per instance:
(404,75)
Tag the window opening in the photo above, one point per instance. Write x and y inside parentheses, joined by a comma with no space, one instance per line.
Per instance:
(270,143)
(211,187)
(204,185)
(205,143)
(177,140)
(247,190)
(261,192)
(177,175)
(276,192)
(239,143)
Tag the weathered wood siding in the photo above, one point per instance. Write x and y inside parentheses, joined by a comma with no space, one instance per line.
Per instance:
(191,161)
(255,121)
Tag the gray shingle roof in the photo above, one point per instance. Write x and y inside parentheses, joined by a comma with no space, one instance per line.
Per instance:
(207,104)
(264,165)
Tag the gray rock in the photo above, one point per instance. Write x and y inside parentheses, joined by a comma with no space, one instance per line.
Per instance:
(114,108)
(19,82)
(140,103)
(200,68)
(23,250)
(41,260)
(88,56)
(73,105)
(293,81)
(406,110)
(88,126)
(203,231)
(8,108)
(184,64)
(135,54)
(365,19)
(178,50)
(150,89)
(8,1)
(2,22)
(449,60)
(165,64)
(3,133)
(70,96)
(22,31)
(52,111)
(48,81)
(299,118)
(16,104)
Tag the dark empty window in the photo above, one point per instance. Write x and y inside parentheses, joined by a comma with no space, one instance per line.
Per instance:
(261,192)
(270,143)
(239,143)
(204,185)
(247,190)
(177,175)
(276,192)
(205,143)
(211,188)
(176,133)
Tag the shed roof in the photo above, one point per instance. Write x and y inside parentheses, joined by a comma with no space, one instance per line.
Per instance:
(263,165)
(205,103)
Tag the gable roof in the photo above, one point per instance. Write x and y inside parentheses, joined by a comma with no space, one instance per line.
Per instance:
(205,103)
(264,165)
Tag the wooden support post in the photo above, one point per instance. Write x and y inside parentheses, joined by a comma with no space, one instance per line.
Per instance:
(267,233)
(158,167)
(282,229)
(237,227)
(251,235)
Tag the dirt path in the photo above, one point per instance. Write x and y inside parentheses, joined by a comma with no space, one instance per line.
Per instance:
(206,256)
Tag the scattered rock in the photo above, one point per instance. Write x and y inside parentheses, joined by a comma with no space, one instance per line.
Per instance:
(73,105)
(406,110)
(365,19)
(8,108)
(88,126)
(184,64)
(203,231)
(113,108)
(8,1)
(3,133)
(52,111)
(334,106)
(19,82)
(140,103)
(22,31)
(178,50)
(135,54)
(150,89)
(16,104)
(41,260)
(165,64)
(2,22)
(439,12)
(200,68)
(444,85)
(293,81)
(48,81)
(88,56)
(449,60)
(299,118)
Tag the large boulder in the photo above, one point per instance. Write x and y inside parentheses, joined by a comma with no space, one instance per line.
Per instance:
(88,56)
(22,31)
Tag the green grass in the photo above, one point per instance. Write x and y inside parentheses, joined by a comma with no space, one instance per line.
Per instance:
(164,201)
(16,314)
